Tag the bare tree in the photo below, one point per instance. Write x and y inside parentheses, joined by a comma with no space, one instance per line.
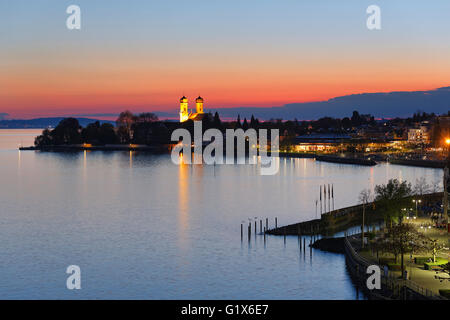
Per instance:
(421,187)
(147,117)
(124,123)
(436,186)
(434,246)
(403,238)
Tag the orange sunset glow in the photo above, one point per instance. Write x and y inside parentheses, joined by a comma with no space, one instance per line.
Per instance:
(106,68)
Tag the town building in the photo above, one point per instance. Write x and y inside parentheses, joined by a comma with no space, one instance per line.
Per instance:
(420,135)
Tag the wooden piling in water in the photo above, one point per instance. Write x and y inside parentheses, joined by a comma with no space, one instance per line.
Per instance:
(276,223)
(255,228)
(242,232)
(260,226)
(267,224)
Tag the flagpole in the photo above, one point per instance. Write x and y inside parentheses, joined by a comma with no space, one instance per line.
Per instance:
(332,194)
(329,198)
(320,197)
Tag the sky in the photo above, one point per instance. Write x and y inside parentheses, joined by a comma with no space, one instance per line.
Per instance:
(144,55)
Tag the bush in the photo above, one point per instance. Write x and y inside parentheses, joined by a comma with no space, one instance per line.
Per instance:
(421,260)
(394,266)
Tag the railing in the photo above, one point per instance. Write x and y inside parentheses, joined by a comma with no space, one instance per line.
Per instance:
(391,287)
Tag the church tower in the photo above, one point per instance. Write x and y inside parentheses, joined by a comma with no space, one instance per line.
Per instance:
(184,113)
(199,104)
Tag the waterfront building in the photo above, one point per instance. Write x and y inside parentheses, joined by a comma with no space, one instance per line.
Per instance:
(320,142)
(420,135)
(333,143)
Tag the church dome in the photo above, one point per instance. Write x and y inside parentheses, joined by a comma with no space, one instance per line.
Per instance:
(183,99)
(199,99)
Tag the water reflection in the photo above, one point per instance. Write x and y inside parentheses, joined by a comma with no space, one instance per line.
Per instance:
(168,231)
(183,202)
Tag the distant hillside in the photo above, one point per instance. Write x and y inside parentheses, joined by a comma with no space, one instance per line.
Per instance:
(380,104)
(40,123)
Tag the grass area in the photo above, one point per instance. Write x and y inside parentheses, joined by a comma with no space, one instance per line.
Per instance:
(439,262)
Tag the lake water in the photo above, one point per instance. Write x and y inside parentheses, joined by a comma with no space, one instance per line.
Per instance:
(141,227)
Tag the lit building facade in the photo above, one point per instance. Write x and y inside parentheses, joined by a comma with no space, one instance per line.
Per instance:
(185,114)
(419,135)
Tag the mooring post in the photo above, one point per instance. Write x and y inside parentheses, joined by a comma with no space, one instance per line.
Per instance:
(260,226)
(267,224)
(304,243)
(284,234)
(255,228)
(242,232)
(276,222)
(265,230)
(249,231)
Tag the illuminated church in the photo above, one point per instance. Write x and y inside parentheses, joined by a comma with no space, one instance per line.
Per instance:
(185,114)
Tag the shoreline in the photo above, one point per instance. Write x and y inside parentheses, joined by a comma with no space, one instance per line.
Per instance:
(339,221)
(436,164)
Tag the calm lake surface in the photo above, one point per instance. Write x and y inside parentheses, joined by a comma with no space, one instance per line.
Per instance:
(141,227)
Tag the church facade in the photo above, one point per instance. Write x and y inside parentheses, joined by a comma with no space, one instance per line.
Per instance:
(185,114)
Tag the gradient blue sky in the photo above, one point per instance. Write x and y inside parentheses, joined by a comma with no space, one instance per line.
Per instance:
(143,55)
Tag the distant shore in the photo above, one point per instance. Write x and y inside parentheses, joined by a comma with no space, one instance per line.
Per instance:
(167,147)
(161,148)
(332,158)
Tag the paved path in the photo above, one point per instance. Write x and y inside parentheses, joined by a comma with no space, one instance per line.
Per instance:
(426,278)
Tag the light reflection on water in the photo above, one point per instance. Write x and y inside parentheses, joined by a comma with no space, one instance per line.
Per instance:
(141,227)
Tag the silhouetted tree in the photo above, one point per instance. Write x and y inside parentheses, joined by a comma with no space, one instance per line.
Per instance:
(147,117)
(245,124)
(238,122)
(90,134)
(216,122)
(356,119)
(43,140)
(107,134)
(67,132)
